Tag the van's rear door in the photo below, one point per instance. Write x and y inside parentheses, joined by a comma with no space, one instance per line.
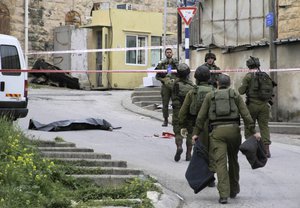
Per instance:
(12,84)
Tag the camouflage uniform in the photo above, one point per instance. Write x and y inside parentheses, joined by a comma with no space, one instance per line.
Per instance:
(211,66)
(259,110)
(258,105)
(181,86)
(167,80)
(187,119)
(213,76)
(225,135)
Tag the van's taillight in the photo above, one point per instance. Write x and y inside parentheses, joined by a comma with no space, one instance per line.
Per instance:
(25,88)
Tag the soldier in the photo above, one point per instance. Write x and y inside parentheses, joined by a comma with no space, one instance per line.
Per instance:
(210,59)
(223,107)
(167,80)
(258,88)
(181,87)
(192,104)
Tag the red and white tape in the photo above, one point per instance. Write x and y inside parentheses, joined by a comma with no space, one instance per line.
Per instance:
(100,50)
(140,71)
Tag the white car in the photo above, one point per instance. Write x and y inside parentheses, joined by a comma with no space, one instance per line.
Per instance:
(13,80)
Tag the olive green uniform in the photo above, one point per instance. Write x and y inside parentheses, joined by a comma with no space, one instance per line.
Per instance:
(225,136)
(187,118)
(167,80)
(178,97)
(259,110)
(213,76)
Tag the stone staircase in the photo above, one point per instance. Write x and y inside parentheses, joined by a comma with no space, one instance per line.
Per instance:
(110,173)
(146,97)
(113,173)
(149,98)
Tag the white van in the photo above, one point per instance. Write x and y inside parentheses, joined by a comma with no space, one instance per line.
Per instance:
(13,84)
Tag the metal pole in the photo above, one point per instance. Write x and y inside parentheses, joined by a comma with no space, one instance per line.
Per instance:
(273,57)
(26,33)
(165,26)
(179,34)
(187,44)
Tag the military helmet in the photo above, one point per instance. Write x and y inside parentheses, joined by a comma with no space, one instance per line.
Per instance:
(183,70)
(210,55)
(223,80)
(253,63)
(202,73)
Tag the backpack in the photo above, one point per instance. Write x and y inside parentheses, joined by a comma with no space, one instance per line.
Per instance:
(223,106)
(184,88)
(181,88)
(199,93)
(262,86)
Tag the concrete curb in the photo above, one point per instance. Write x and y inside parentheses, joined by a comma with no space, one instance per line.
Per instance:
(275,127)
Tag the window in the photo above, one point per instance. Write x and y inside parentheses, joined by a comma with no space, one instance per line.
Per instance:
(9,59)
(136,56)
(156,54)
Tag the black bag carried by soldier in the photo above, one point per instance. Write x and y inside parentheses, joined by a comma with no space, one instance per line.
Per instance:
(197,174)
(254,151)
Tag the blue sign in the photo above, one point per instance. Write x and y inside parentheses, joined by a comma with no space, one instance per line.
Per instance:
(270,19)
(190,2)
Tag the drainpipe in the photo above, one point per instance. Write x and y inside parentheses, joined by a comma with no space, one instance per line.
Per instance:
(273,56)
(26,33)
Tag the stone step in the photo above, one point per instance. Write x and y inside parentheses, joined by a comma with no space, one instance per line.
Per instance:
(82,155)
(65,149)
(107,180)
(92,162)
(99,203)
(146,98)
(145,93)
(147,89)
(111,170)
(41,143)
(146,103)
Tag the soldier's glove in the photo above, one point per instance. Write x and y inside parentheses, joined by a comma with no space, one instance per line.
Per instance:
(184,132)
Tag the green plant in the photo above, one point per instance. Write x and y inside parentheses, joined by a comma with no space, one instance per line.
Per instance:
(59,139)
(27,180)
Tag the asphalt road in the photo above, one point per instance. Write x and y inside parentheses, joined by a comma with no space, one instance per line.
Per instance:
(276,185)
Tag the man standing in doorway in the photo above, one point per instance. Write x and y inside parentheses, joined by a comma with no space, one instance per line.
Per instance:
(167,80)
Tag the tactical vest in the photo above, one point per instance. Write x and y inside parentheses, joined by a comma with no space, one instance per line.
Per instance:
(199,93)
(223,108)
(261,86)
(181,88)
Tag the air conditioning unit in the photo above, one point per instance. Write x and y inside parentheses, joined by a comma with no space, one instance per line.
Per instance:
(124,6)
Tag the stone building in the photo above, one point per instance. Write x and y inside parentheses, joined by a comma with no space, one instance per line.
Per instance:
(235,30)
(46,15)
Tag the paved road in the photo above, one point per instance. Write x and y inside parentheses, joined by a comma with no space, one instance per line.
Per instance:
(276,185)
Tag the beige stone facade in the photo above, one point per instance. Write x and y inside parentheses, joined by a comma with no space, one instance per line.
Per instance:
(288,19)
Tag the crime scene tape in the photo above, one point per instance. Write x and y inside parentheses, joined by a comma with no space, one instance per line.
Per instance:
(100,50)
(140,71)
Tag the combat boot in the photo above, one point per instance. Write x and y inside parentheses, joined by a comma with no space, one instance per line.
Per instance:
(188,155)
(267,150)
(178,151)
(165,123)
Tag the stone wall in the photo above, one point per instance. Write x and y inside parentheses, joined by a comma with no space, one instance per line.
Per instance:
(45,15)
(288,19)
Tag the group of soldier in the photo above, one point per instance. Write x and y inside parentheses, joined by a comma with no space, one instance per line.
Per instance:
(210,111)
